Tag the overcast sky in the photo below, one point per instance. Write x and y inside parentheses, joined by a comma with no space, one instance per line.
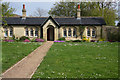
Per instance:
(31,7)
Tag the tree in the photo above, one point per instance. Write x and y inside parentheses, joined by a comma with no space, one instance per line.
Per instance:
(69,9)
(39,12)
(7,10)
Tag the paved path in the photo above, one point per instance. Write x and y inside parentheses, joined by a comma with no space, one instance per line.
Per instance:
(28,65)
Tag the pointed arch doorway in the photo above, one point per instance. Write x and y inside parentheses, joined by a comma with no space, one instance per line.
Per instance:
(50,33)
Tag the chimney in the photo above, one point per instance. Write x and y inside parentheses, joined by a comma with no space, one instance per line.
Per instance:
(23,12)
(78,12)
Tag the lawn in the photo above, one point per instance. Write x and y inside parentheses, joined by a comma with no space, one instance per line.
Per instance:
(80,60)
(12,52)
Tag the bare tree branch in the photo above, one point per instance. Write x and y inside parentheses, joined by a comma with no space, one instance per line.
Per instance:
(39,12)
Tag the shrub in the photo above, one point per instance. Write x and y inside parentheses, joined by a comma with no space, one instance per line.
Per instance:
(62,39)
(33,40)
(39,40)
(92,41)
(84,38)
(76,41)
(24,38)
(101,39)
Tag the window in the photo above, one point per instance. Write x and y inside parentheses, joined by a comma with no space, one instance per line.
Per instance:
(93,32)
(11,32)
(69,32)
(27,33)
(6,32)
(36,32)
(31,32)
(88,32)
(74,32)
(64,32)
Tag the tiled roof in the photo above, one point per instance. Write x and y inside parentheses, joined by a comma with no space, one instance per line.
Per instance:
(60,21)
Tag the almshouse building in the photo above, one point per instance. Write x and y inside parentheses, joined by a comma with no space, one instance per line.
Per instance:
(50,28)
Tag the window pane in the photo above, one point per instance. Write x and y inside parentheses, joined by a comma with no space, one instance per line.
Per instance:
(36,32)
(6,32)
(88,32)
(74,32)
(69,32)
(11,32)
(65,32)
(31,32)
(93,32)
(27,34)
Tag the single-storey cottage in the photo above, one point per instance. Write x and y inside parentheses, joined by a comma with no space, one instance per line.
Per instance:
(50,28)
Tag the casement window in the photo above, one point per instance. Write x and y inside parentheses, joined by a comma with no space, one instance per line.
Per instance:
(36,32)
(5,32)
(26,32)
(64,33)
(31,32)
(88,32)
(11,32)
(69,32)
(93,32)
(74,32)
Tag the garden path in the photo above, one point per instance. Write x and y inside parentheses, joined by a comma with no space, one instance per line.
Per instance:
(28,65)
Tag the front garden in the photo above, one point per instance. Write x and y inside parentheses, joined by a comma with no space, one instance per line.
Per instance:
(12,52)
(80,60)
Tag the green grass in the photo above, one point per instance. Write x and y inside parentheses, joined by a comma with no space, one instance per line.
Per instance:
(12,52)
(80,60)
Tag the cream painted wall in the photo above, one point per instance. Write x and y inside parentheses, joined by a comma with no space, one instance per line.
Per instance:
(19,31)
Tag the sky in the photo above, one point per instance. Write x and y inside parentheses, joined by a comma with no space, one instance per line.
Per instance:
(31,7)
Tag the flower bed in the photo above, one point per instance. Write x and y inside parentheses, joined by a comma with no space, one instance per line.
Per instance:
(59,41)
(39,40)
(6,40)
(26,40)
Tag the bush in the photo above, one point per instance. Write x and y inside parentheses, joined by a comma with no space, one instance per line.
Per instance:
(24,38)
(33,40)
(76,41)
(101,39)
(39,40)
(62,39)
(92,41)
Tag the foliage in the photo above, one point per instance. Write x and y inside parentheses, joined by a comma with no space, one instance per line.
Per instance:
(23,38)
(15,51)
(7,10)
(76,41)
(80,60)
(62,39)
(103,9)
